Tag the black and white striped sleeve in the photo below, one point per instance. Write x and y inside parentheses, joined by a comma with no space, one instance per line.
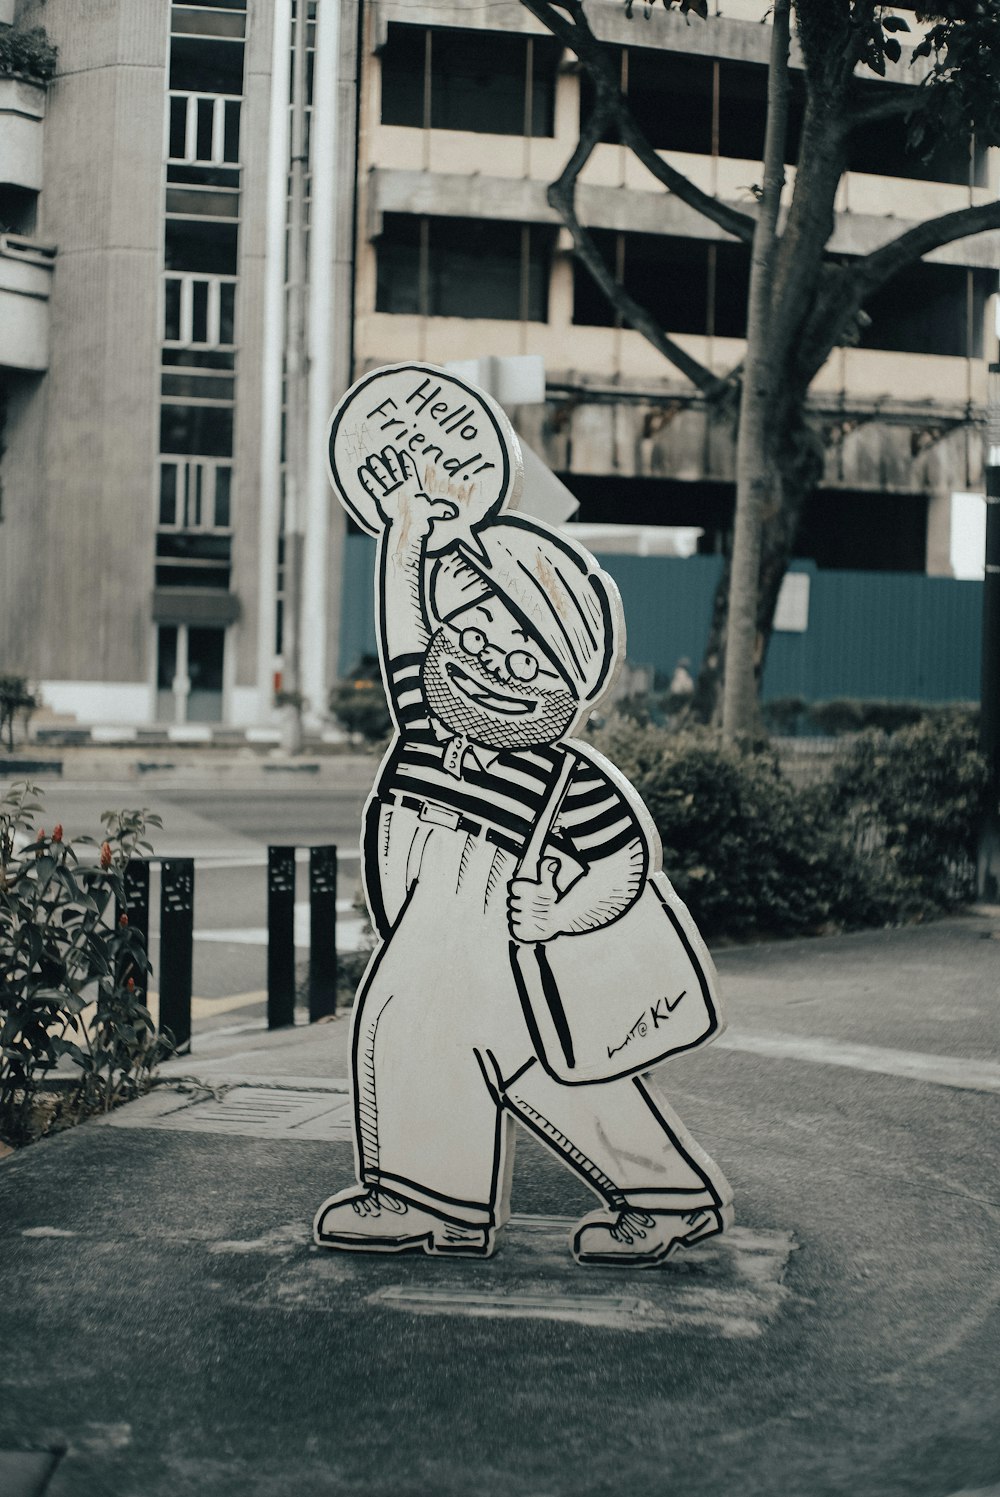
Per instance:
(595,818)
(406,696)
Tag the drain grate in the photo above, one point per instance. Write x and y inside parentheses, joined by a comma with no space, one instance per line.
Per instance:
(248,1112)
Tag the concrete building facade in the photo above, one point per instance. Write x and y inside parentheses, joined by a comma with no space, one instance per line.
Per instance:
(143,300)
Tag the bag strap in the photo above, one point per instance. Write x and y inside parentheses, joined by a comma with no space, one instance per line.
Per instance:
(531,860)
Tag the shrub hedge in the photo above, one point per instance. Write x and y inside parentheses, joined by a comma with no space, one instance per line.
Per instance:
(917,799)
(891,835)
(843,715)
(27,53)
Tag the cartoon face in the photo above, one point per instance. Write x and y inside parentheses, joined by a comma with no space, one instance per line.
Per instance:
(486,677)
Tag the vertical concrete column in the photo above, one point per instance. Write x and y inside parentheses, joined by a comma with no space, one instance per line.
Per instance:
(273,348)
(320,584)
(939,509)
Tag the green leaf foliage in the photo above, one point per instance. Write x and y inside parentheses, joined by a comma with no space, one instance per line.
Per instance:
(359,702)
(891,836)
(71,975)
(26,53)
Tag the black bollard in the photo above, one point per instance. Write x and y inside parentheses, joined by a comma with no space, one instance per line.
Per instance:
(176,948)
(322,932)
(136,906)
(280,937)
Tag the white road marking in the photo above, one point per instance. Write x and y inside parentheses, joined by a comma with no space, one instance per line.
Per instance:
(351,931)
(941,1070)
(213,862)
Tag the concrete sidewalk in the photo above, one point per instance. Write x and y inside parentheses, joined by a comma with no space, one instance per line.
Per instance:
(168,1328)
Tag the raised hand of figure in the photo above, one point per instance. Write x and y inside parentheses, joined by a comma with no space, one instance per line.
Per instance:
(531,905)
(390,477)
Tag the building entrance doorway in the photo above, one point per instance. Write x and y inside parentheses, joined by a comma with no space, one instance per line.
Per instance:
(189,673)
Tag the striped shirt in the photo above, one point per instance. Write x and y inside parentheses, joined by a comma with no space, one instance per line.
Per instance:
(507,789)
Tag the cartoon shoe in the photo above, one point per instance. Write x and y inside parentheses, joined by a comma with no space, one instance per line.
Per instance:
(368,1220)
(642,1239)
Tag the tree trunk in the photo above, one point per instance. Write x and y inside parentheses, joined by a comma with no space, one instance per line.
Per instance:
(796,465)
(755,475)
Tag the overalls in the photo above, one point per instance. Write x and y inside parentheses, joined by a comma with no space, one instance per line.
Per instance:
(443,1061)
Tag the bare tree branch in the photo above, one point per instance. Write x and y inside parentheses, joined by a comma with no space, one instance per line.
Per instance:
(846,287)
(593,55)
(882,264)
(562,197)
(731,219)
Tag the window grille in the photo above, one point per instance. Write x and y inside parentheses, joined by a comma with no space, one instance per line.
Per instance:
(195,494)
(204,129)
(198,311)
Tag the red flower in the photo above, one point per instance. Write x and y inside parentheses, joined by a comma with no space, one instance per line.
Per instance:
(41,834)
(131,984)
(122,919)
(57,832)
(105,854)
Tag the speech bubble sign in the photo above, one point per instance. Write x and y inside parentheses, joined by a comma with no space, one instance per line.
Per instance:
(461,444)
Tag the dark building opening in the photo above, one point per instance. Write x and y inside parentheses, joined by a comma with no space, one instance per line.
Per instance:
(492,82)
(931,308)
(193,244)
(689,285)
(463,267)
(613,500)
(885,150)
(206,65)
(706,106)
(864,532)
(840,529)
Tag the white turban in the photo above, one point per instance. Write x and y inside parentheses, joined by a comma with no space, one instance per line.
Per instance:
(553,586)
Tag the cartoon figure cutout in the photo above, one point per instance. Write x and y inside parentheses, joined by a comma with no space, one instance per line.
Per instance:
(533,960)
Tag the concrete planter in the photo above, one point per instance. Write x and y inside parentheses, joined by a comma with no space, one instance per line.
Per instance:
(22,111)
(25,282)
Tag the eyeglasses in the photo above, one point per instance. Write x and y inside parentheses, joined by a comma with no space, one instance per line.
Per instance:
(521,665)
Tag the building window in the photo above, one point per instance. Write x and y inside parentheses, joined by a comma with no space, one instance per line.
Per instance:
(206,65)
(201,245)
(709,107)
(464,267)
(937,309)
(885,150)
(208,20)
(204,129)
(186,559)
(196,430)
(688,285)
(198,311)
(194,534)
(492,82)
(701,286)
(195,495)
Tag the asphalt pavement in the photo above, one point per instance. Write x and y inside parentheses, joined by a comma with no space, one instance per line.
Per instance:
(168,1328)
(171,1329)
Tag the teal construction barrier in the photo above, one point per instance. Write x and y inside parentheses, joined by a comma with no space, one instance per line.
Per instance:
(892,636)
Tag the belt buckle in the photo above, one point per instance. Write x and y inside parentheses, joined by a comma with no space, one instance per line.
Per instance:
(439,815)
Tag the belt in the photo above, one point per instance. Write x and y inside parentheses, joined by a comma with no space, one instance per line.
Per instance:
(455,821)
